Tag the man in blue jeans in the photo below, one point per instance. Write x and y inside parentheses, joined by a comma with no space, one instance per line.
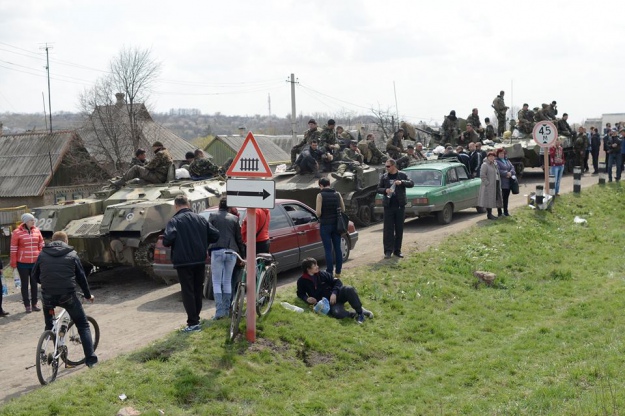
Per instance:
(58,269)
(327,205)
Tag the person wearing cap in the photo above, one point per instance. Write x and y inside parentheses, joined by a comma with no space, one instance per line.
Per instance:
(344,137)
(395,145)
(411,158)
(202,167)
(313,133)
(328,137)
(370,152)
(352,160)
(26,244)
(139,159)
(189,157)
(154,172)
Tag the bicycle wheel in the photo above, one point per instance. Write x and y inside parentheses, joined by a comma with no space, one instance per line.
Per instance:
(47,365)
(74,354)
(237,311)
(266,290)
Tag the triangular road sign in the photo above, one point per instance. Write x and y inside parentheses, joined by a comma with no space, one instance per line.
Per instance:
(249,162)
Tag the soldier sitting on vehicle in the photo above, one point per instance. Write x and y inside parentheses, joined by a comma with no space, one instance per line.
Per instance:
(313,133)
(394,145)
(154,172)
(450,128)
(370,152)
(470,135)
(139,159)
(474,120)
(202,167)
(344,137)
(489,132)
(563,126)
(526,119)
(411,157)
(351,160)
(189,157)
(542,114)
(312,159)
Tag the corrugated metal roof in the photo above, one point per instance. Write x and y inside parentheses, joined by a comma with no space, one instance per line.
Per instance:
(272,152)
(28,160)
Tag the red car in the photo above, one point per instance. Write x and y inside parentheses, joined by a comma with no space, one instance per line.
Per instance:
(293,232)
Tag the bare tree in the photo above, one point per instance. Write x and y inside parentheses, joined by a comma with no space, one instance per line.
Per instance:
(112,129)
(385,120)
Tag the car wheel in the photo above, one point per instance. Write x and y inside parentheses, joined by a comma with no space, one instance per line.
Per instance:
(364,215)
(345,247)
(208,284)
(444,216)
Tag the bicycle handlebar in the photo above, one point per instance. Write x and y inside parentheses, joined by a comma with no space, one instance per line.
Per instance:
(241,259)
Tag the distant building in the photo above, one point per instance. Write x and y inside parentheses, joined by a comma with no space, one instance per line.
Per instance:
(221,148)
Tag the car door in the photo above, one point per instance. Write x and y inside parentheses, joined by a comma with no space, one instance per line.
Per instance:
(283,239)
(452,187)
(306,226)
(465,194)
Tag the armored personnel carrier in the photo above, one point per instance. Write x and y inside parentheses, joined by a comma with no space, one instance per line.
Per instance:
(358,204)
(121,227)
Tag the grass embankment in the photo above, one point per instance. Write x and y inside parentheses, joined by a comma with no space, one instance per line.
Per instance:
(546,338)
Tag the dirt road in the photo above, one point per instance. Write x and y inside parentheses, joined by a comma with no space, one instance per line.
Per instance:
(133,310)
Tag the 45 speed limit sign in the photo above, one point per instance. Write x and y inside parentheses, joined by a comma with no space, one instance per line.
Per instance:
(545,133)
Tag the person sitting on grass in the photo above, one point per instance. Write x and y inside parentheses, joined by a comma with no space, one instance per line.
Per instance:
(314,285)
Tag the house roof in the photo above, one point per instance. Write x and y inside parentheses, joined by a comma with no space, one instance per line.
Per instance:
(28,161)
(95,138)
(271,151)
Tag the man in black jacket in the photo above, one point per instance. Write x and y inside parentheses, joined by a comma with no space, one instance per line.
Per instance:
(58,269)
(393,186)
(189,234)
(314,285)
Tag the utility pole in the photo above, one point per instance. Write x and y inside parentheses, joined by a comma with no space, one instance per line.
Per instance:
(49,97)
(45,116)
(293,113)
(396,108)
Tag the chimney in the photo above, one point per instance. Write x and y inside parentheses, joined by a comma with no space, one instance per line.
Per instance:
(120,99)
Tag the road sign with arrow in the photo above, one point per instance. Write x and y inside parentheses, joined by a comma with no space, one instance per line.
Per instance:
(245,193)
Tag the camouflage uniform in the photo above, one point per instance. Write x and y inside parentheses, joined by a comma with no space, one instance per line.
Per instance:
(563,128)
(410,160)
(351,160)
(542,114)
(526,121)
(309,136)
(371,154)
(203,168)
(328,138)
(474,120)
(490,132)
(154,172)
(552,111)
(394,147)
(580,146)
(500,110)
(469,136)
(135,161)
(450,130)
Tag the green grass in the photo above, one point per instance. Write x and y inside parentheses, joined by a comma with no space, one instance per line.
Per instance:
(544,339)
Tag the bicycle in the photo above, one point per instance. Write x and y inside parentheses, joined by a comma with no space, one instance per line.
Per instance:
(266,285)
(61,342)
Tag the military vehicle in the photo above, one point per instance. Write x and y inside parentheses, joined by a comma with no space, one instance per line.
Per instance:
(121,227)
(358,204)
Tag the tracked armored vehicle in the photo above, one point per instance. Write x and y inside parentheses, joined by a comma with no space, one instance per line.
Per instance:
(120,227)
(358,204)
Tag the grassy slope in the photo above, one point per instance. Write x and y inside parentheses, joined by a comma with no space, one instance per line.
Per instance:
(545,339)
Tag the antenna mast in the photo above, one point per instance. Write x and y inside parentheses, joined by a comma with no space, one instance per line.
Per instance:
(48,70)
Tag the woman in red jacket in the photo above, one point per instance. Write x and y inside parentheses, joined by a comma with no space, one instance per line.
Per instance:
(263,218)
(26,243)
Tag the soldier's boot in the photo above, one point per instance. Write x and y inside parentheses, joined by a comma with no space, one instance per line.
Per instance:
(340,171)
(117,183)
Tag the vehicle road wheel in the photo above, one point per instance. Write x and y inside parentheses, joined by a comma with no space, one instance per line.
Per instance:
(74,354)
(208,284)
(266,291)
(47,365)
(236,312)
(376,217)
(480,210)
(365,215)
(444,216)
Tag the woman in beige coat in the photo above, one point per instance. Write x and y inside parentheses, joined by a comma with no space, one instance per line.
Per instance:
(490,190)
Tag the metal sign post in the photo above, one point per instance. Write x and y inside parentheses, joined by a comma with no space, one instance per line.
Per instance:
(251,276)
(545,134)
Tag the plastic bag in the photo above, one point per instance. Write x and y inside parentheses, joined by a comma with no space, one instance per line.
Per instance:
(322,307)
(5,288)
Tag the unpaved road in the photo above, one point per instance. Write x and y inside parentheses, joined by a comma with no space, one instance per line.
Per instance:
(133,310)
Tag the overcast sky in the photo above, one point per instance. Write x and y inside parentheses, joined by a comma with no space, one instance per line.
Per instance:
(347,55)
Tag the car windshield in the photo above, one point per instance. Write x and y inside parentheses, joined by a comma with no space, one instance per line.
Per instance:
(424,177)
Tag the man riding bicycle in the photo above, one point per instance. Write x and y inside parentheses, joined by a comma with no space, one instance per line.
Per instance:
(58,269)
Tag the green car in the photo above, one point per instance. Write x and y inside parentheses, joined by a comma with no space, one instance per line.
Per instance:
(440,186)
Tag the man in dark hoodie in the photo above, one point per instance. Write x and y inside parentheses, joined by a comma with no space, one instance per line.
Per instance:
(314,285)
(58,269)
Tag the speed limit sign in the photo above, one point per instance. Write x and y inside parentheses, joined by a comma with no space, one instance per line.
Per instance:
(545,133)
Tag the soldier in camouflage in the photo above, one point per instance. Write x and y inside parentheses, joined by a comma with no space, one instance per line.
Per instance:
(139,159)
(474,120)
(395,145)
(328,137)
(470,135)
(552,110)
(344,137)
(451,131)
(202,167)
(313,133)
(489,132)
(154,172)
(563,126)
(526,120)
(580,146)
(542,114)
(411,158)
(370,152)
(312,159)
(353,161)
(500,109)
